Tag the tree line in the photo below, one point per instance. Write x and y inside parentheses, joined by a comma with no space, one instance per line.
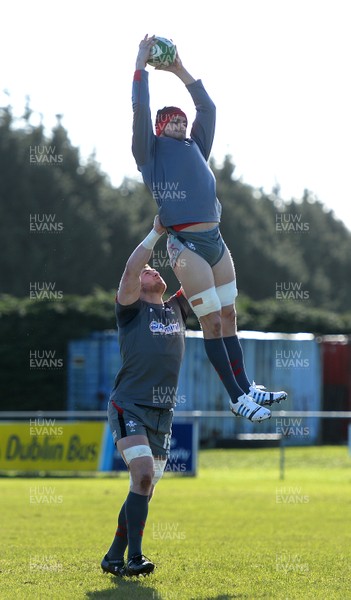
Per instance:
(67,230)
(66,234)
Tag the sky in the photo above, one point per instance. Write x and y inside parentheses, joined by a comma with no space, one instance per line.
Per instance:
(277,70)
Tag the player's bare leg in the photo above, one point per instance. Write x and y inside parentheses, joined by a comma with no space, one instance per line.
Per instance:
(198,281)
(133,514)
(225,281)
(224,275)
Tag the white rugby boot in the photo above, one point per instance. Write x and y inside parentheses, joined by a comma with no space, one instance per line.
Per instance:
(264,398)
(247,408)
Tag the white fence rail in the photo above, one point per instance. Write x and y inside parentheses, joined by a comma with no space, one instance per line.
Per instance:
(101,414)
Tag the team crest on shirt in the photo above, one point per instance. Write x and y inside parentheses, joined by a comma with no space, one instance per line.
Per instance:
(132,425)
(190,245)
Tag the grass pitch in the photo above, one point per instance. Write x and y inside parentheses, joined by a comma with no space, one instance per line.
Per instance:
(235,531)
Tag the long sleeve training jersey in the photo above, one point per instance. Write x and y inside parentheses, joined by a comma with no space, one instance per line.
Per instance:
(176,171)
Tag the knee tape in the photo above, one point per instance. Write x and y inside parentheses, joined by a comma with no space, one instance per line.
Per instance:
(227,293)
(136,452)
(205,303)
(159,469)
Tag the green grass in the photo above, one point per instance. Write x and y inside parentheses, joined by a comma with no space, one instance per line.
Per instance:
(235,531)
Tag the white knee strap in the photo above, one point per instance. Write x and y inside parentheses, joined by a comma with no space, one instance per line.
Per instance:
(159,469)
(136,452)
(227,293)
(159,466)
(205,303)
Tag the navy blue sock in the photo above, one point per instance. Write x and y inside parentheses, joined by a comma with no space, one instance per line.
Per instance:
(120,543)
(137,507)
(218,356)
(236,359)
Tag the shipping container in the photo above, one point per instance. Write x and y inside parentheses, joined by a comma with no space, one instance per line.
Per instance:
(291,362)
(336,367)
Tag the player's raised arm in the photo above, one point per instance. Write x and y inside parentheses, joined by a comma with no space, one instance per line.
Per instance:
(179,70)
(143,135)
(129,287)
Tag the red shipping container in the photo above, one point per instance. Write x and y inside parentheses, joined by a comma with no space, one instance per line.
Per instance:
(336,369)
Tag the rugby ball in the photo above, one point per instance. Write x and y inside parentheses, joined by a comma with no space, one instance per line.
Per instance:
(162,53)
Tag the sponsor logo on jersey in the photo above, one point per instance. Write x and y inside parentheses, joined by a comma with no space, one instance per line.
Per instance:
(170,309)
(159,327)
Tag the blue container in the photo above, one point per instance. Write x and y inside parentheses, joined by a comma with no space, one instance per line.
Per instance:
(92,366)
(291,362)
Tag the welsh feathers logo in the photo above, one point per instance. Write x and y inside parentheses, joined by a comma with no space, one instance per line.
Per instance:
(132,425)
(190,245)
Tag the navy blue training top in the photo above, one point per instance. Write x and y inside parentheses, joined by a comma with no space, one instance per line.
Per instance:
(176,171)
(151,341)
